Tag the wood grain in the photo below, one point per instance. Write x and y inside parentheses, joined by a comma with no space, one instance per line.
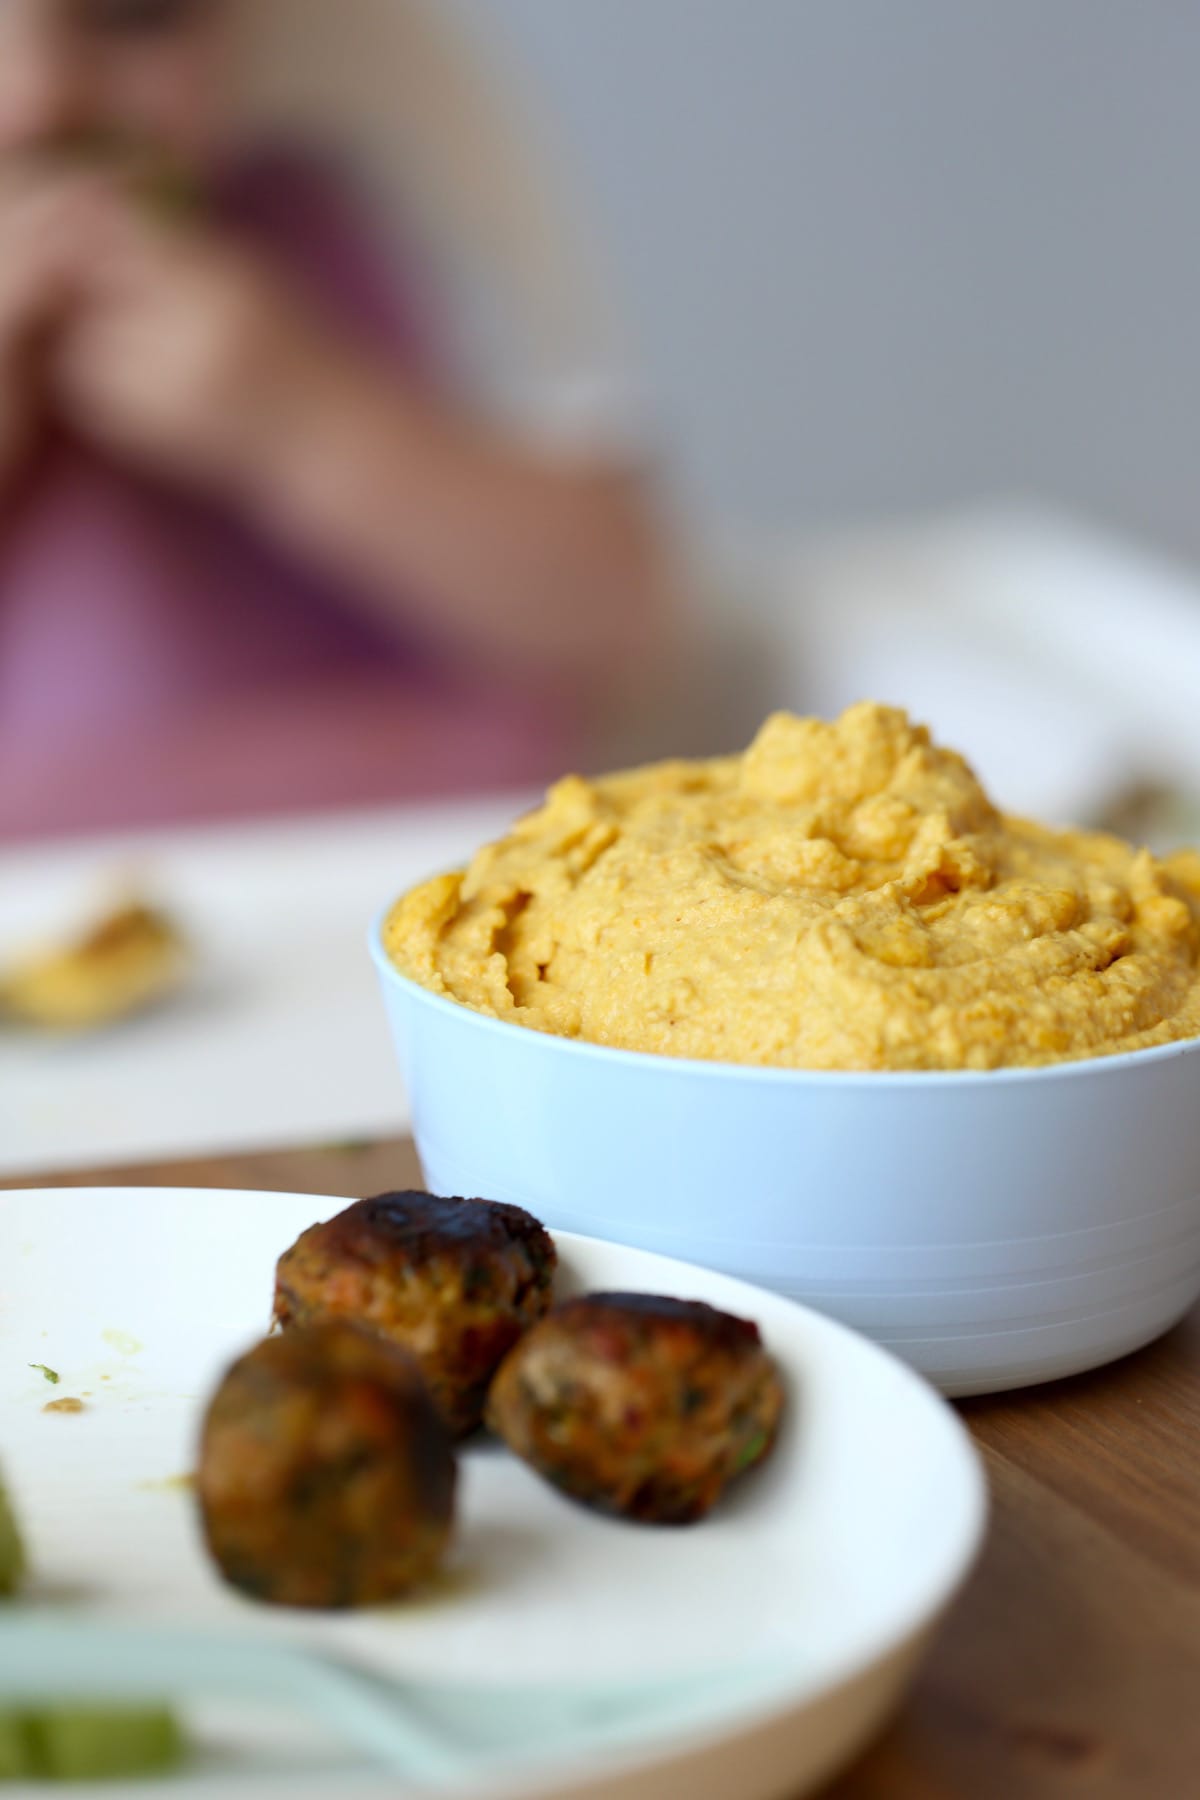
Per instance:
(1070,1668)
(351,1169)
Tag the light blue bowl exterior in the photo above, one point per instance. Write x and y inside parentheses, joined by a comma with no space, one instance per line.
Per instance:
(993,1229)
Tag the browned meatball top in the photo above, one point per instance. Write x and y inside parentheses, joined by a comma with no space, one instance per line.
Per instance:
(650,1312)
(419,1227)
(455,1282)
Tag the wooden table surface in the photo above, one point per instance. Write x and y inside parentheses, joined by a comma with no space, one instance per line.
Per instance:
(1071,1665)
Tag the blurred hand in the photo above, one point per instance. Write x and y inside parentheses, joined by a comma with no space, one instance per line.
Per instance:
(180,351)
(40,214)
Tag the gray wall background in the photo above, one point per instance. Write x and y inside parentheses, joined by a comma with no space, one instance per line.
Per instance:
(891,254)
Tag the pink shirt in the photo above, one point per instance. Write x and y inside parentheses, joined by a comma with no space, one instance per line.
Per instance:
(161,661)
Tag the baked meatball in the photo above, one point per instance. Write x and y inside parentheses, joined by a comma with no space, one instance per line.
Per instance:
(326,1476)
(639,1405)
(455,1282)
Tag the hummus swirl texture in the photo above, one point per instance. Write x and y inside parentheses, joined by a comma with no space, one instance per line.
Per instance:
(841,896)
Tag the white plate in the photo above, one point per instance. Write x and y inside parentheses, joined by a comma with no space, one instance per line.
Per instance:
(792,1618)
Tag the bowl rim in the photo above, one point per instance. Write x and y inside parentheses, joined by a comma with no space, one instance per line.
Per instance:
(657,1066)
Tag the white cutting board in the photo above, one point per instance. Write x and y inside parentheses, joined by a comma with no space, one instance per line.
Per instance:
(281,1037)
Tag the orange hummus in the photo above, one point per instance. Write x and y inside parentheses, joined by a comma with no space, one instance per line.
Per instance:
(841,896)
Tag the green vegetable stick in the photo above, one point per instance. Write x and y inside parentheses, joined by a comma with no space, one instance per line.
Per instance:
(14,1748)
(73,1742)
(12,1550)
(101,1743)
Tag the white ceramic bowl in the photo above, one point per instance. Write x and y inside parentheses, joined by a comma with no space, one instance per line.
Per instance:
(993,1229)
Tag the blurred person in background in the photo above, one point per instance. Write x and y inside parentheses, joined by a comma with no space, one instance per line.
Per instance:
(255,552)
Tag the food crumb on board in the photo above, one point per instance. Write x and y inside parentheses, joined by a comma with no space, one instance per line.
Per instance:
(121,1342)
(51,1375)
(169,1484)
(68,1405)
